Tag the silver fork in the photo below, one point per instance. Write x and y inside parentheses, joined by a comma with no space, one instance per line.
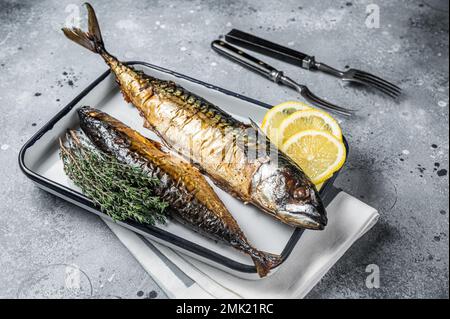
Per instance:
(275,75)
(361,77)
(308,62)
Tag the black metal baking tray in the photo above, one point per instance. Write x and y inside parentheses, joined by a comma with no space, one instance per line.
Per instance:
(43,169)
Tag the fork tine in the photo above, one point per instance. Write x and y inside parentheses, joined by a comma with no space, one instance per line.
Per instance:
(389,88)
(378,79)
(307,94)
(378,86)
(381,89)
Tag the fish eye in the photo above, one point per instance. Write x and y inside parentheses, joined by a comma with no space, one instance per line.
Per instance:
(300,193)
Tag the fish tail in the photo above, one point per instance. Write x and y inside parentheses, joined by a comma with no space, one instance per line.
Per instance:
(91,40)
(264,262)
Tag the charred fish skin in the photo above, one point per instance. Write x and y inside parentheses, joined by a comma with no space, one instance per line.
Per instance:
(180,186)
(212,139)
(191,199)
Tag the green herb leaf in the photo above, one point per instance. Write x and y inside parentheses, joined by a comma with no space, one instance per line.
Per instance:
(121,191)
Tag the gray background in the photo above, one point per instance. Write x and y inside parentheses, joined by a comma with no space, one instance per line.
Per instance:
(394,145)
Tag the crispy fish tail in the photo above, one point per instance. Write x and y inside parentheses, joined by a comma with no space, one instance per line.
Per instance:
(91,40)
(265,261)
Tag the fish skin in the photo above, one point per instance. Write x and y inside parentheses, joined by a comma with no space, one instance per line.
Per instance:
(215,141)
(191,199)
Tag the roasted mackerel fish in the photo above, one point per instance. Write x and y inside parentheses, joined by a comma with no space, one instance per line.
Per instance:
(224,148)
(190,199)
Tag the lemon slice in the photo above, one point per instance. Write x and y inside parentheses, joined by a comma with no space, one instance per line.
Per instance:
(319,186)
(318,153)
(277,114)
(308,120)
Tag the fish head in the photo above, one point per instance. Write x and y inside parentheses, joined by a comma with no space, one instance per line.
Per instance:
(102,129)
(290,195)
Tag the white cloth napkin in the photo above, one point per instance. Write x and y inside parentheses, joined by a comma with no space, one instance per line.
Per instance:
(315,253)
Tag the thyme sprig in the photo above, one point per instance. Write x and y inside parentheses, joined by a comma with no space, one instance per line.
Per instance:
(120,190)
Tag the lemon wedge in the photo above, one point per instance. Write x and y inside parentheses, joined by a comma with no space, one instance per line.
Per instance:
(318,153)
(319,186)
(308,120)
(277,114)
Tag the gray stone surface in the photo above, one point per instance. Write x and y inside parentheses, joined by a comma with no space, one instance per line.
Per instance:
(394,145)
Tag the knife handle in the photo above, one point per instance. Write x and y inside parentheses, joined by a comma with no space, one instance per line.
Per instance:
(271,49)
(246,60)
